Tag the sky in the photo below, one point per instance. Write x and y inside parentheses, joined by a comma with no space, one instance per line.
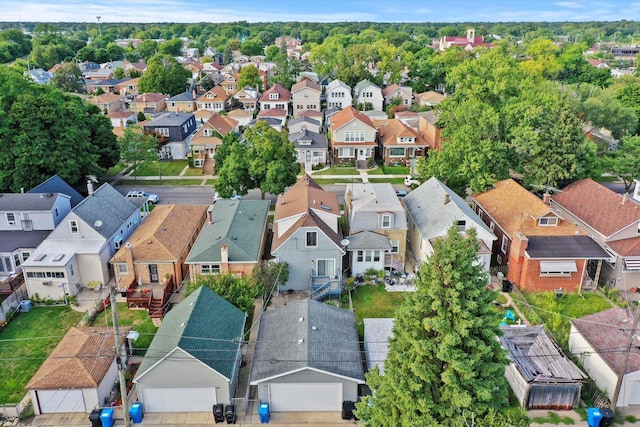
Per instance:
(317,11)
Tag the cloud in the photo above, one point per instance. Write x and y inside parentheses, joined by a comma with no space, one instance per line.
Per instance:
(569,4)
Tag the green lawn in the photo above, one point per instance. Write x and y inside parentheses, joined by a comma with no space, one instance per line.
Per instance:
(113,171)
(139,320)
(374,301)
(395,181)
(555,313)
(26,342)
(331,181)
(172,168)
(193,172)
(334,170)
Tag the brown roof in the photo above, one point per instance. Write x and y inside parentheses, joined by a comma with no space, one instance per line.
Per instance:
(599,207)
(164,234)
(514,209)
(80,360)
(389,130)
(608,333)
(218,92)
(222,124)
(304,195)
(240,113)
(283,94)
(150,97)
(273,112)
(346,115)
(106,98)
(430,97)
(309,113)
(306,83)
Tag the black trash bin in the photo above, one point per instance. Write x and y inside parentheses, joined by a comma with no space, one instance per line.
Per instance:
(230,414)
(94,417)
(218,413)
(347,409)
(506,285)
(607,417)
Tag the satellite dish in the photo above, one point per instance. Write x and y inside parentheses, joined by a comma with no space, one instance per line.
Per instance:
(345,242)
(97,224)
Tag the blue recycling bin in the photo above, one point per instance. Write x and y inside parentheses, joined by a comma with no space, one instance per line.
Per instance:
(135,412)
(106,417)
(593,417)
(263,411)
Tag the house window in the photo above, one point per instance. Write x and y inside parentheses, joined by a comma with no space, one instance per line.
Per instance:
(354,136)
(491,226)
(548,221)
(123,269)
(376,256)
(396,152)
(505,241)
(327,267)
(312,239)
(480,214)
(210,269)
(71,269)
(461,224)
(273,96)
(207,132)
(557,268)
(386,221)
(360,256)
(25,255)
(16,259)
(56,212)
(395,246)
(345,152)
(73,226)
(499,259)
(5,264)
(163,131)
(11,218)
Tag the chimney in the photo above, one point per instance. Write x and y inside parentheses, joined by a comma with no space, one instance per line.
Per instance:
(447,198)
(546,198)
(471,34)
(625,197)
(224,254)
(210,215)
(90,187)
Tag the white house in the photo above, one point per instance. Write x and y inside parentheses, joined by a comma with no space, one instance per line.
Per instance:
(338,94)
(365,93)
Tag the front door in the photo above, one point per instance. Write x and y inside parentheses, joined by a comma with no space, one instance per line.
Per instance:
(153,273)
(362,154)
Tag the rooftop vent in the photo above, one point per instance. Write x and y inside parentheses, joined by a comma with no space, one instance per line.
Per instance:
(300,320)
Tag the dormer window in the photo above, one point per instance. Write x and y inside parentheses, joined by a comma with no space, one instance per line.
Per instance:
(406,139)
(11,218)
(273,96)
(73,226)
(548,221)
(207,132)
(385,221)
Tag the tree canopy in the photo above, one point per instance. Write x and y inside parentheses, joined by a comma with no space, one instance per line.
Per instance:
(164,74)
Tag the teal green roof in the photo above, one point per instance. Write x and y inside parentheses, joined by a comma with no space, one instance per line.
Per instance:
(204,325)
(239,224)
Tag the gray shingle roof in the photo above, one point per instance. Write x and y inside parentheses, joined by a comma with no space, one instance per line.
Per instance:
(204,325)
(55,184)
(12,240)
(369,201)
(106,205)
(329,341)
(307,138)
(27,201)
(432,214)
(368,240)
(184,96)
(376,341)
(239,224)
(304,119)
(170,119)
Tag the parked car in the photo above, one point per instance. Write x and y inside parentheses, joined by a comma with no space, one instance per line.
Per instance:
(401,193)
(137,194)
(233,196)
(410,181)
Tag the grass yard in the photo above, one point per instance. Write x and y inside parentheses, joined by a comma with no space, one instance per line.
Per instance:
(139,320)
(331,181)
(555,313)
(395,181)
(374,301)
(115,170)
(172,168)
(193,172)
(334,170)
(26,342)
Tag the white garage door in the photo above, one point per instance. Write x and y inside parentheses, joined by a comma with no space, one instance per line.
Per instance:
(199,399)
(53,401)
(634,399)
(305,396)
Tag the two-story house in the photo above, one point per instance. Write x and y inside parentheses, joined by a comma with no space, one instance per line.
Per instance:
(230,83)
(25,221)
(307,236)
(540,249)
(108,102)
(306,96)
(368,96)
(376,227)
(248,97)
(148,103)
(338,94)
(353,137)
(184,102)
(178,129)
(399,144)
(395,91)
(209,137)
(276,96)
(611,219)
(215,99)
(432,209)
(78,250)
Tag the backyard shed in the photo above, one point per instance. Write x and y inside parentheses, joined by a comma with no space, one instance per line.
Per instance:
(540,375)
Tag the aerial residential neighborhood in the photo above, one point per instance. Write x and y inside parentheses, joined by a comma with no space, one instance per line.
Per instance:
(318,223)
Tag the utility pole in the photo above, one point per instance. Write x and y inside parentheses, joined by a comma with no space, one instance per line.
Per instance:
(122,358)
(99,29)
(616,391)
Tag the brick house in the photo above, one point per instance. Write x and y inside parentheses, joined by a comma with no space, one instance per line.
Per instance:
(353,136)
(398,143)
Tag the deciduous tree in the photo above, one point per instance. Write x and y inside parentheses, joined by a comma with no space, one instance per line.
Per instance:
(136,148)
(625,161)
(444,360)
(164,74)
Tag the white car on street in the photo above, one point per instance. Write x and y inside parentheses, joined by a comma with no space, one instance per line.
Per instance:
(137,194)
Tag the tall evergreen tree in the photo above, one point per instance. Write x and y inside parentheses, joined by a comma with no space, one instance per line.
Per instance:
(444,360)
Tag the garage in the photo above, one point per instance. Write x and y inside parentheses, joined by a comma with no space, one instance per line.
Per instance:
(305,396)
(56,401)
(197,399)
